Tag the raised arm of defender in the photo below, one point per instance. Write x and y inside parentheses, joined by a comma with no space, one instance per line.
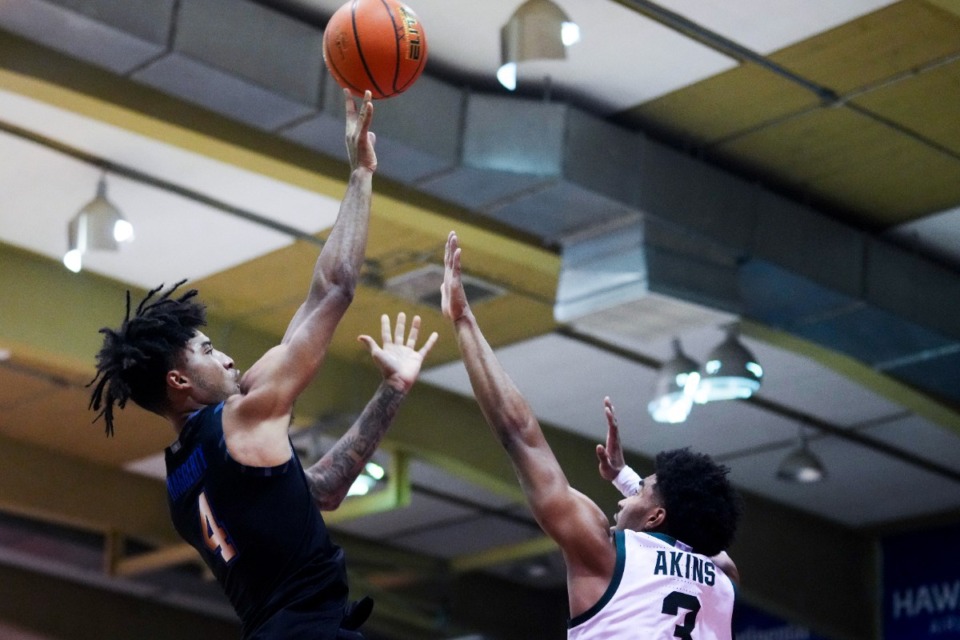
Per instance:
(577,524)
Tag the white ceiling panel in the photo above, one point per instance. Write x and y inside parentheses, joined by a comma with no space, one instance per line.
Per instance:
(863,487)
(937,233)
(768,26)
(622,58)
(920,437)
(717,428)
(810,388)
(790,379)
(201,239)
(545,366)
(174,237)
(648,325)
(302,209)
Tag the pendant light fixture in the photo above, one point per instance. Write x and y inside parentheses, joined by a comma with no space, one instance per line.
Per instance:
(730,372)
(98,226)
(801,465)
(675,388)
(537,30)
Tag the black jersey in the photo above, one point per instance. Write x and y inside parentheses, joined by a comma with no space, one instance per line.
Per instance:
(260,533)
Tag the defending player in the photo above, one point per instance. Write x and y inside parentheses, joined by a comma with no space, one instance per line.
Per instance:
(651,575)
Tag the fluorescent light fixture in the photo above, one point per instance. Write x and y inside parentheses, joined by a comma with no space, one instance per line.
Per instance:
(731,372)
(676,387)
(537,30)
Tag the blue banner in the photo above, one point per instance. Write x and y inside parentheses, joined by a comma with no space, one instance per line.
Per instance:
(921,585)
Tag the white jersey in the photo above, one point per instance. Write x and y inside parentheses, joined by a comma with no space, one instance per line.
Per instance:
(659,591)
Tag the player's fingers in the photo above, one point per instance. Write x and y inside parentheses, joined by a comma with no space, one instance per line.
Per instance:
(414,332)
(385,329)
(369,342)
(448,249)
(432,340)
(400,328)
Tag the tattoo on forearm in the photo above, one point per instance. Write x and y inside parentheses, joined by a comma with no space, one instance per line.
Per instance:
(330,478)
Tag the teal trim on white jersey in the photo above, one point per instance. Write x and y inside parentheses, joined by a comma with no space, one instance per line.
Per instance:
(660,590)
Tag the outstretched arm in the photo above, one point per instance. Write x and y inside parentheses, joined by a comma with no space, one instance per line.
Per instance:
(274,382)
(399,362)
(341,258)
(566,515)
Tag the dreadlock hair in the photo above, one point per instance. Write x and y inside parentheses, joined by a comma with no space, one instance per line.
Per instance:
(703,508)
(134,360)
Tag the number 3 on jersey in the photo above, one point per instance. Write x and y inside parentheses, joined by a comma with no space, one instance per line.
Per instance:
(216,537)
(672,605)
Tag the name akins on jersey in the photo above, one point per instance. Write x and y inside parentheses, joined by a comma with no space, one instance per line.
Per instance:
(685,565)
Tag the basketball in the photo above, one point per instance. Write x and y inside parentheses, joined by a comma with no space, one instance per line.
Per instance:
(375,45)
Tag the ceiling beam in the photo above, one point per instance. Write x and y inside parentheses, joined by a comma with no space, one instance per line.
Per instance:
(63,489)
(75,609)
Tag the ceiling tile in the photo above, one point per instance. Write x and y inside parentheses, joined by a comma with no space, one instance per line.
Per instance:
(863,487)
(920,437)
(884,44)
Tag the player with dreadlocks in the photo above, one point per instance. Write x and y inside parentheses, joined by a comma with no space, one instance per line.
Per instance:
(237,492)
(661,572)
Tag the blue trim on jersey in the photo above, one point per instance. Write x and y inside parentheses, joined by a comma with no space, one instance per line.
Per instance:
(619,541)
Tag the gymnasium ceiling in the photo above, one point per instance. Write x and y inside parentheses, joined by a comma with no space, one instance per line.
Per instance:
(791,168)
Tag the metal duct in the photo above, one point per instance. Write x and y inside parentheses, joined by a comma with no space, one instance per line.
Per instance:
(242,60)
(118,35)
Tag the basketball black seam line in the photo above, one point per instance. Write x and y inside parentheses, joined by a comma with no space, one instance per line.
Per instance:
(363,59)
(396,42)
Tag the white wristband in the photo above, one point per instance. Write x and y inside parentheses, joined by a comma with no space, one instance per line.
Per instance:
(628,482)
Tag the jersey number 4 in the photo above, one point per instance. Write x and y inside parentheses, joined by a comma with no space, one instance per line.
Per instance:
(672,605)
(216,537)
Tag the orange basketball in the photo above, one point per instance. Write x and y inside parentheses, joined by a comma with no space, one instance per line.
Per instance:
(375,44)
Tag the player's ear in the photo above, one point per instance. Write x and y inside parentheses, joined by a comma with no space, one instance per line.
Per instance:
(656,518)
(176,380)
